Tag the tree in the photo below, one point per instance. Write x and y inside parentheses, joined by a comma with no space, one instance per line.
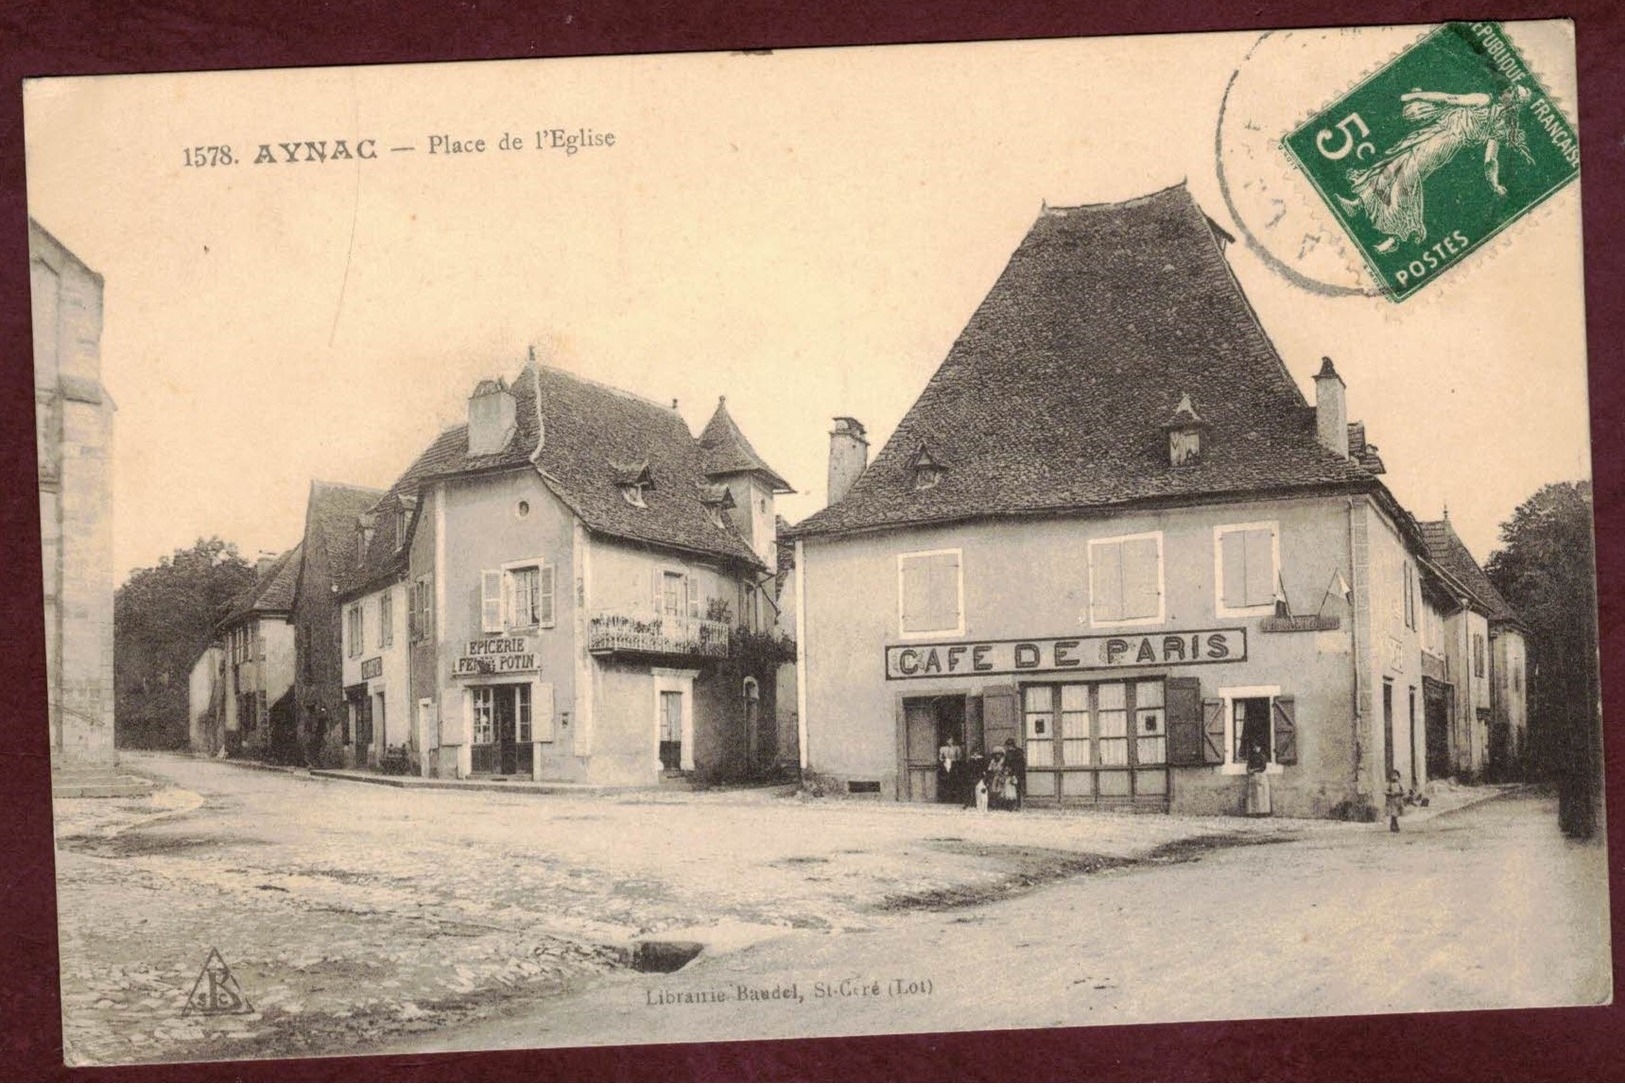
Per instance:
(1547,572)
(163,618)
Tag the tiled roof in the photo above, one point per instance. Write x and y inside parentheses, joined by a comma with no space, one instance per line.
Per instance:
(332,514)
(272,592)
(588,434)
(1055,395)
(724,450)
(1446,549)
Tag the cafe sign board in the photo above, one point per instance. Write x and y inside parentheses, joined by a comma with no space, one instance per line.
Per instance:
(1071,654)
(496,656)
(372,668)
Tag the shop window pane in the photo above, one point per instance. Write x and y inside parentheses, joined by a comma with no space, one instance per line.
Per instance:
(1040,726)
(1150,782)
(1040,698)
(1041,753)
(1040,785)
(1112,696)
(1149,694)
(1114,752)
(1114,783)
(1151,751)
(1077,785)
(1075,696)
(1075,752)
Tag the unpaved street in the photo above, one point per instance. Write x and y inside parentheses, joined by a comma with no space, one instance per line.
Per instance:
(358,917)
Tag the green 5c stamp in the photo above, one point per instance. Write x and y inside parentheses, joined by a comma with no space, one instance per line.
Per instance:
(1436,153)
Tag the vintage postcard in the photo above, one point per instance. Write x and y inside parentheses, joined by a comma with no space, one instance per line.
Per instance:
(880,540)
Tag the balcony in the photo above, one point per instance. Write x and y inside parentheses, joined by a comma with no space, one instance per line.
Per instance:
(630,633)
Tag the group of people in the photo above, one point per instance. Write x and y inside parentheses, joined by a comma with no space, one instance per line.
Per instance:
(985,782)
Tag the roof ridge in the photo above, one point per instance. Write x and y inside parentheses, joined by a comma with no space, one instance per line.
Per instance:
(1131,202)
(626,393)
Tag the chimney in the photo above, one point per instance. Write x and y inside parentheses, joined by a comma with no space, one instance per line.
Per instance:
(1331,410)
(263,564)
(490,418)
(848,456)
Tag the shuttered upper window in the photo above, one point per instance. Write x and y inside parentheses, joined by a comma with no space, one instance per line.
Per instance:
(1125,579)
(1246,564)
(930,590)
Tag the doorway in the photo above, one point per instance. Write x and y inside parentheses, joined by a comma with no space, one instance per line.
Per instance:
(495,747)
(928,724)
(671,730)
(1436,708)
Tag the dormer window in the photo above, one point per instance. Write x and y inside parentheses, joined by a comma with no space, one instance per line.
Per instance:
(928,470)
(1187,434)
(717,500)
(634,480)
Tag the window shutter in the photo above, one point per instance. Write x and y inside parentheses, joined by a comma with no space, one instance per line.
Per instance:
(547,578)
(1184,709)
(1212,731)
(931,593)
(1260,567)
(1286,732)
(541,711)
(691,586)
(658,588)
(1233,546)
(1142,577)
(1001,717)
(491,601)
(1106,568)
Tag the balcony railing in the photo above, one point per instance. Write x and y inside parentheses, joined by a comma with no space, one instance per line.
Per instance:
(622,631)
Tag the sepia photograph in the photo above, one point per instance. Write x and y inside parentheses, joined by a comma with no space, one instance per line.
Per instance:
(810,543)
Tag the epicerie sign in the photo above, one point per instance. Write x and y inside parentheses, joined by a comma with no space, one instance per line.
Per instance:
(1066,654)
(493,656)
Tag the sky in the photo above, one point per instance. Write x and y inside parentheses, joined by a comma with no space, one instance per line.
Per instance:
(805,233)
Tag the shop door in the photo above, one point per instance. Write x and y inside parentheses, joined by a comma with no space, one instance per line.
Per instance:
(507,747)
(1097,744)
(1436,710)
(363,728)
(920,749)
(671,730)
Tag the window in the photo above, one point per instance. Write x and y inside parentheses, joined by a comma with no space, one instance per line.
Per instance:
(633,493)
(402,519)
(386,619)
(1125,579)
(1150,724)
(930,588)
(1247,562)
(1478,655)
(420,598)
(521,710)
(1244,716)
(530,596)
(484,723)
(356,630)
(676,594)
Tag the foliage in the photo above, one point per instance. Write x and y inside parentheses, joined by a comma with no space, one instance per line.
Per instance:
(1547,572)
(753,647)
(163,618)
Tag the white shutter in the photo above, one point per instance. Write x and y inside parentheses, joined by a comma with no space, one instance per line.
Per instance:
(1142,579)
(547,578)
(658,589)
(691,586)
(1260,567)
(1234,564)
(541,711)
(491,601)
(1106,581)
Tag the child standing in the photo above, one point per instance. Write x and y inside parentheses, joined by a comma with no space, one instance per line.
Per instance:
(1396,800)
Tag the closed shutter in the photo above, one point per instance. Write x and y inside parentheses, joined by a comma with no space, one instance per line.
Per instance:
(658,591)
(930,593)
(1001,717)
(491,601)
(548,578)
(541,712)
(1106,581)
(1286,732)
(1142,579)
(1184,698)
(1260,566)
(691,586)
(1212,731)
(1234,548)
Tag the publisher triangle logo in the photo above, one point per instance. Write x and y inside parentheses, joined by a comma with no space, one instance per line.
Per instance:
(216,992)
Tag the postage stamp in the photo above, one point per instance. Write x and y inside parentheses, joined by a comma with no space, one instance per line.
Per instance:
(1436,153)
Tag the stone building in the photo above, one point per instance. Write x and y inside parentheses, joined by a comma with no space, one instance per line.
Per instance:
(327,555)
(1113,532)
(241,688)
(74,421)
(585,586)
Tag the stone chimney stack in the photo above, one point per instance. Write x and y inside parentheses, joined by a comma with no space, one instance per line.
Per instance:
(491,414)
(848,456)
(1331,409)
(263,564)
